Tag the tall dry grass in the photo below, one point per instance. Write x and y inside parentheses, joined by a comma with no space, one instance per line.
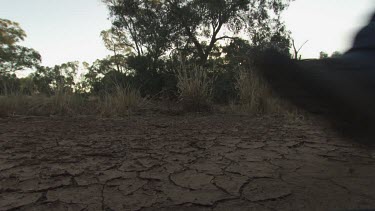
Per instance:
(255,96)
(10,105)
(122,102)
(195,88)
(61,104)
(67,103)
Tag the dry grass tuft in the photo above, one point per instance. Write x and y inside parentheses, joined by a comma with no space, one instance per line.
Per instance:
(256,97)
(254,94)
(121,103)
(66,104)
(195,88)
(61,104)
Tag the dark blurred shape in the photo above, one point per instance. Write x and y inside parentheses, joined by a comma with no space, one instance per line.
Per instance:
(365,37)
(342,89)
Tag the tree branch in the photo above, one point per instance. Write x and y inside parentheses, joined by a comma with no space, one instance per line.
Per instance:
(225,37)
(302,45)
(296,51)
(189,33)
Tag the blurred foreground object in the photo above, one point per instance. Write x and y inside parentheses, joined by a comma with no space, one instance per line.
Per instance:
(342,89)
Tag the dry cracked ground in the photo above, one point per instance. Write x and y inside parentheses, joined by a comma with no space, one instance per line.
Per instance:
(188,162)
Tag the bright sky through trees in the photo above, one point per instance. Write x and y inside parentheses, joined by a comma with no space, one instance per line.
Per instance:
(69,30)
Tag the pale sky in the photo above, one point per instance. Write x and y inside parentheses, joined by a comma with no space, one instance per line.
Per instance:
(328,25)
(68,30)
(61,30)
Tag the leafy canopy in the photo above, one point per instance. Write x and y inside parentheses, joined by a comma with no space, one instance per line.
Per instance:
(12,56)
(154,27)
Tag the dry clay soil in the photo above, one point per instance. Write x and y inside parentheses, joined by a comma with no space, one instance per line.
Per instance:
(187,162)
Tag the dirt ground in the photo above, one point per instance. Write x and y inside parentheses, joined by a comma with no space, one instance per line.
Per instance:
(185,162)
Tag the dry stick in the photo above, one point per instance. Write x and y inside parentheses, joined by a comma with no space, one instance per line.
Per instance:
(296,52)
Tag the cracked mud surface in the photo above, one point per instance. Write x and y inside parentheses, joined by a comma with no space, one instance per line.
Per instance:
(217,162)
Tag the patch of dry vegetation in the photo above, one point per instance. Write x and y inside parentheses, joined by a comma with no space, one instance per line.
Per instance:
(61,104)
(254,94)
(195,88)
(256,97)
(119,103)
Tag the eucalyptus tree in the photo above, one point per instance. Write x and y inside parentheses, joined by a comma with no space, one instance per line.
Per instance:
(116,41)
(14,57)
(155,27)
(57,79)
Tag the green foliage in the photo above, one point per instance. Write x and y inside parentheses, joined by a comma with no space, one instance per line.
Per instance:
(11,32)
(12,56)
(9,84)
(323,55)
(242,54)
(224,86)
(156,27)
(152,76)
(146,74)
(148,40)
(116,41)
(336,54)
(27,86)
(191,30)
(111,82)
(238,53)
(57,79)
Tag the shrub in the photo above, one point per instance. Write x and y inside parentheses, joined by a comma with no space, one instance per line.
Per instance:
(121,102)
(224,90)
(8,105)
(195,88)
(66,103)
(60,104)
(254,94)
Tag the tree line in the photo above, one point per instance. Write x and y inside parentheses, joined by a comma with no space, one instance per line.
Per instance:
(149,40)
